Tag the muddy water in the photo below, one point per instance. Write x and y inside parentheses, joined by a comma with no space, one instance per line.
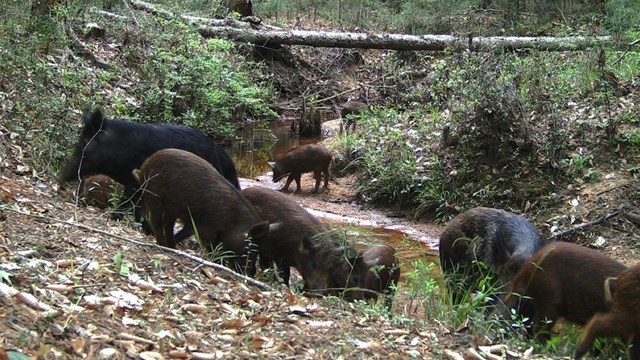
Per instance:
(261,145)
(412,240)
(408,250)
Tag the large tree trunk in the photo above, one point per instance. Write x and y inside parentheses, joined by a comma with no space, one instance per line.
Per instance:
(268,36)
(42,8)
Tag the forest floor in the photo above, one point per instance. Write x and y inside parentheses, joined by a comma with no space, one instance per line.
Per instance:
(76,283)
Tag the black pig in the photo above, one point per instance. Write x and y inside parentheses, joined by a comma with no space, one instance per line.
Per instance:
(115,147)
(306,158)
(501,240)
(179,185)
(292,244)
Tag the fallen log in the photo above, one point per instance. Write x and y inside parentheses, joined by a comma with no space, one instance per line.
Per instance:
(400,41)
(268,36)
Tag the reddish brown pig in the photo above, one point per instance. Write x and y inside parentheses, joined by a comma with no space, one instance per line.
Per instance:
(292,244)
(179,185)
(306,158)
(562,280)
(98,190)
(623,320)
(364,276)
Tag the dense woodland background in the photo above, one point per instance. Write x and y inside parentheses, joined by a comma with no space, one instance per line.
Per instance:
(552,135)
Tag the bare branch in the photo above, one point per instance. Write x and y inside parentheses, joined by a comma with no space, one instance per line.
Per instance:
(183,254)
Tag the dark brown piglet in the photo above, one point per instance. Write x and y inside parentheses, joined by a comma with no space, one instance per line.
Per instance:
(562,280)
(484,241)
(98,190)
(371,272)
(179,185)
(303,159)
(291,245)
(349,111)
(623,320)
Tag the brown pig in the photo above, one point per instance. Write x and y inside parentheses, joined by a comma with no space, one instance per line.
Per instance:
(302,159)
(371,272)
(293,243)
(179,185)
(98,190)
(348,112)
(623,320)
(562,280)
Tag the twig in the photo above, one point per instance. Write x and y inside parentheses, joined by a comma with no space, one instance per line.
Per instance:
(86,53)
(633,43)
(634,218)
(585,225)
(194,258)
(107,14)
(612,188)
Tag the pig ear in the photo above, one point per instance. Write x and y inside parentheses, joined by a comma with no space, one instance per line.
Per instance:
(259,230)
(356,259)
(275,226)
(136,175)
(93,122)
(306,244)
(610,289)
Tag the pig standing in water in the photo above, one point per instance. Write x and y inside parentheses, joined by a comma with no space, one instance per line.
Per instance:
(500,240)
(370,272)
(562,280)
(180,185)
(293,243)
(115,147)
(624,318)
(98,190)
(306,158)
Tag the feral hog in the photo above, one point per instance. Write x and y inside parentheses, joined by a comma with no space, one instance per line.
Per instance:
(290,245)
(306,158)
(115,147)
(98,190)
(371,272)
(349,112)
(179,185)
(562,280)
(623,320)
(482,241)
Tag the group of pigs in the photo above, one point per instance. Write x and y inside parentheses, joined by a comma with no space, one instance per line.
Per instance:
(179,175)
(544,282)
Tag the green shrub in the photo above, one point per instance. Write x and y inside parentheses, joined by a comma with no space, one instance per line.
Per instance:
(187,80)
(158,71)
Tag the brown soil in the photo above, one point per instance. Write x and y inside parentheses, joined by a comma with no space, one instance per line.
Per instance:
(64,296)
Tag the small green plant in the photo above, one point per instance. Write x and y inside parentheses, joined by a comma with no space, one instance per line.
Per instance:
(120,266)
(5,277)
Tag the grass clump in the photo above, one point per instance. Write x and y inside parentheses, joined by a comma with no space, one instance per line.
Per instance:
(493,128)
